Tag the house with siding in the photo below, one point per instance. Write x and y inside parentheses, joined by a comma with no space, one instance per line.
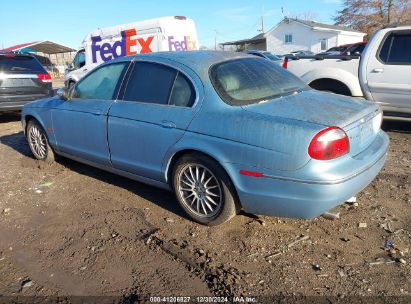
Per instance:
(292,34)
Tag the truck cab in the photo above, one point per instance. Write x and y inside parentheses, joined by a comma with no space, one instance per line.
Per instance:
(385,70)
(76,69)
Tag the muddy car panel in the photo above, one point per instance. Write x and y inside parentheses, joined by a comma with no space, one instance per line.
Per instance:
(270,138)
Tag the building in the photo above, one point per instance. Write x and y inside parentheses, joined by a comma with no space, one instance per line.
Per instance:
(53,56)
(294,35)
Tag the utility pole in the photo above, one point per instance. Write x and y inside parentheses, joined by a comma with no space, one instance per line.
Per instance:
(262,25)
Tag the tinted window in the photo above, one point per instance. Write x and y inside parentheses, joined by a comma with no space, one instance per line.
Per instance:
(183,94)
(400,49)
(396,49)
(19,63)
(250,80)
(100,84)
(385,49)
(150,83)
(271,56)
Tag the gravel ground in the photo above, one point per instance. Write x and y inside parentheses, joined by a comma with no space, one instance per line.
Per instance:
(68,229)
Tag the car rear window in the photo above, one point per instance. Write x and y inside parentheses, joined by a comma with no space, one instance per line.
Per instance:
(251,80)
(18,63)
(271,56)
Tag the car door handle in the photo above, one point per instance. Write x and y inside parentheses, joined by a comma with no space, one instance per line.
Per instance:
(377,70)
(168,124)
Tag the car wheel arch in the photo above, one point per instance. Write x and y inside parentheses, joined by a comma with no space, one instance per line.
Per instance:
(328,84)
(177,155)
(29,117)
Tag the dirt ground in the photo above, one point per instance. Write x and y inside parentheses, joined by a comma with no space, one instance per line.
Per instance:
(67,229)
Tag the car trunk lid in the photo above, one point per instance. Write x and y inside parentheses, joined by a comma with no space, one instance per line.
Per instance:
(354,116)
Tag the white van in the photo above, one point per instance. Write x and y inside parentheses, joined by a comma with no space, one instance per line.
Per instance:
(176,33)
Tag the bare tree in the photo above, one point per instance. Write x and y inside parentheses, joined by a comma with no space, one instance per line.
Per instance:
(370,15)
(306,15)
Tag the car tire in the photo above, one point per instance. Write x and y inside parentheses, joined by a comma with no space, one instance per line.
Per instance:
(204,190)
(39,142)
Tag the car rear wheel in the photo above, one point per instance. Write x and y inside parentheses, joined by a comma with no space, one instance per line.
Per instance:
(204,190)
(38,142)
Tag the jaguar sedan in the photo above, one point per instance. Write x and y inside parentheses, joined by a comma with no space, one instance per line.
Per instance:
(225,131)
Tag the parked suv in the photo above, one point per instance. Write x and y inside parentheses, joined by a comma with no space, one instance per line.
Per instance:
(22,79)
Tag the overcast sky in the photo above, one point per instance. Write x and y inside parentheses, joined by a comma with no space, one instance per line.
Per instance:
(68,22)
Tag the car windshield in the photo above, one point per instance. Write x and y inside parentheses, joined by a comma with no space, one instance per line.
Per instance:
(271,56)
(252,80)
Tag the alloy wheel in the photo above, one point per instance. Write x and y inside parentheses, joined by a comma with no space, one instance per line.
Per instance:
(200,190)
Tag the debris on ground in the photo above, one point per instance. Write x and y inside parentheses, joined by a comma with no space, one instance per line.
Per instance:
(46,184)
(386,227)
(388,245)
(26,284)
(362,225)
(351,200)
(331,215)
(300,239)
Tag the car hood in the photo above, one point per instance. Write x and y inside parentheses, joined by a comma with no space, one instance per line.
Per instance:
(312,106)
(41,103)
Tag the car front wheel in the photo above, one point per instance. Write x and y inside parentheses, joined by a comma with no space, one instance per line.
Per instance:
(38,142)
(204,190)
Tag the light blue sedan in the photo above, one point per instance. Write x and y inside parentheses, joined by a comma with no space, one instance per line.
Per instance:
(225,131)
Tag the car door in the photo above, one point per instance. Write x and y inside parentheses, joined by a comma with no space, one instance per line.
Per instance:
(80,123)
(152,115)
(389,73)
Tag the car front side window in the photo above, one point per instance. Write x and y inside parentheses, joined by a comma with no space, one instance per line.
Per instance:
(100,84)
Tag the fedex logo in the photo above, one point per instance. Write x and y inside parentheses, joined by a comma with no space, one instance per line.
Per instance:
(181,45)
(120,48)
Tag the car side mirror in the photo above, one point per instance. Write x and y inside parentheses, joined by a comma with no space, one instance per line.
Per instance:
(63,94)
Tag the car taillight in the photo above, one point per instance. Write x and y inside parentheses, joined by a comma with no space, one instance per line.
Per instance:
(285,63)
(328,144)
(44,77)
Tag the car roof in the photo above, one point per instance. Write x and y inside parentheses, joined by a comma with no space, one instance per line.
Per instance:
(255,51)
(198,61)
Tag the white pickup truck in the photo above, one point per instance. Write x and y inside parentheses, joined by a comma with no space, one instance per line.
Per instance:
(382,73)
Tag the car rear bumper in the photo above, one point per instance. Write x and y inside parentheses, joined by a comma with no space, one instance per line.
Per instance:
(308,198)
(16,102)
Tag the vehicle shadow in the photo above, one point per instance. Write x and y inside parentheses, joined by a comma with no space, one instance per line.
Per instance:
(162,198)
(398,126)
(9,117)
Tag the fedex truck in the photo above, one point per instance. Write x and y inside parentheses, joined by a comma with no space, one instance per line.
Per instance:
(176,33)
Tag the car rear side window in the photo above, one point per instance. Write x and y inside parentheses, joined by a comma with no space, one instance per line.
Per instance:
(101,83)
(150,83)
(11,63)
(251,80)
(396,49)
(183,94)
